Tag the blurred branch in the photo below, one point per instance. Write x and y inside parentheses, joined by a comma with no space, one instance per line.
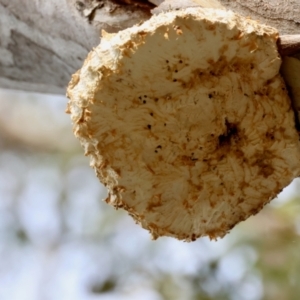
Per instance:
(35,122)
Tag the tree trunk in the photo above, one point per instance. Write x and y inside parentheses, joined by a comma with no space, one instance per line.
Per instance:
(43,42)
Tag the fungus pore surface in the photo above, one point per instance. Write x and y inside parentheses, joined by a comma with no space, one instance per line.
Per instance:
(187,121)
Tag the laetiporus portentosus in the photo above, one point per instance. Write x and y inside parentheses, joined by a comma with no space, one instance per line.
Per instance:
(187,121)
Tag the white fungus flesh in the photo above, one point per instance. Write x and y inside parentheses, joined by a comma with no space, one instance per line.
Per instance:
(187,121)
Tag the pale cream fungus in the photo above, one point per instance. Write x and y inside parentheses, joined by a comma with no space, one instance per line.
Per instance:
(187,121)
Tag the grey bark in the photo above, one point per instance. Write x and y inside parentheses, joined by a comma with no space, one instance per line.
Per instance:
(281,14)
(43,42)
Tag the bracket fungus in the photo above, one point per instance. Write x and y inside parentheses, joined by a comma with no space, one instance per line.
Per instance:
(187,121)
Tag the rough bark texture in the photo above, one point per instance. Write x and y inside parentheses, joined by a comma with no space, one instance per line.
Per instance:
(284,15)
(43,42)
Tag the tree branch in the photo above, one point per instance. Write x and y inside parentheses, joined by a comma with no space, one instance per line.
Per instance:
(43,42)
(283,15)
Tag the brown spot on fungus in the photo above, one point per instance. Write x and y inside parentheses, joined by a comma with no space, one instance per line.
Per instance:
(230,133)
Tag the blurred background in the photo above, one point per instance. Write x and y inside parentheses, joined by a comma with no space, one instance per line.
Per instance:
(59,241)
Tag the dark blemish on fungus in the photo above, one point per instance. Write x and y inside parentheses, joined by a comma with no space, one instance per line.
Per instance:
(231,132)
